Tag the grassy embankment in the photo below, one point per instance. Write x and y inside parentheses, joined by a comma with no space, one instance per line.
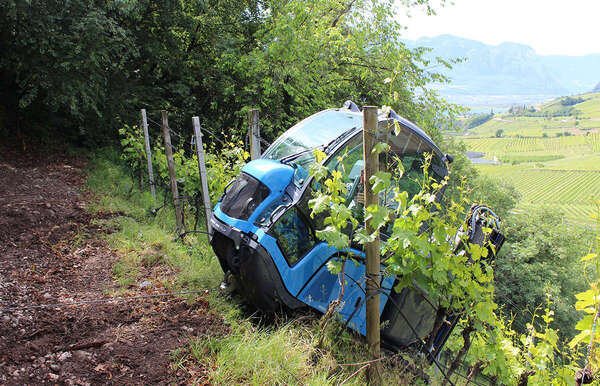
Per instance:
(256,351)
(551,160)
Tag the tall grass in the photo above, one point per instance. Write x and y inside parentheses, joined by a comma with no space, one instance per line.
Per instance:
(258,350)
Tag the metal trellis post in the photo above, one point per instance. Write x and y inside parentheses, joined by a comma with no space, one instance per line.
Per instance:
(202,170)
(148,153)
(171,164)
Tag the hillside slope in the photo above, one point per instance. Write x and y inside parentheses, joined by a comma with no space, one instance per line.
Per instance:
(550,153)
(575,115)
(53,251)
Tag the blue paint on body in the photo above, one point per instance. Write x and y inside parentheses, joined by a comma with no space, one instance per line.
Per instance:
(325,287)
(308,280)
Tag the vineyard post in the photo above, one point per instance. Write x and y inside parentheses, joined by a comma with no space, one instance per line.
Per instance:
(372,248)
(202,170)
(171,163)
(254,134)
(148,153)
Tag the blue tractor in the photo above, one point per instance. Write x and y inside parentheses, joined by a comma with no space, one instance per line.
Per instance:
(264,236)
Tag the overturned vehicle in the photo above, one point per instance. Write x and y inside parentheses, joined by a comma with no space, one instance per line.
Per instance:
(264,236)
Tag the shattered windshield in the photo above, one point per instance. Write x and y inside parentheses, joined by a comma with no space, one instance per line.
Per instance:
(317,130)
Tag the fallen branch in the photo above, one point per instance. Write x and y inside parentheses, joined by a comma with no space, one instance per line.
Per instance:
(84,345)
(356,372)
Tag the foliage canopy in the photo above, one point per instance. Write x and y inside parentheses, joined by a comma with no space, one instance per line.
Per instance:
(86,67)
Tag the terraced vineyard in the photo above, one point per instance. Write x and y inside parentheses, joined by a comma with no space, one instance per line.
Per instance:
(569,190)
(536,147)
(594,142)
(548,170)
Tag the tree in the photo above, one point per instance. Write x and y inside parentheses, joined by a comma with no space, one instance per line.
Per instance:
(89,66)
(526,269)
(60,59)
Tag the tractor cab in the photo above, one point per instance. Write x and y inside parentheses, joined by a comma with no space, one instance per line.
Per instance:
(264,235)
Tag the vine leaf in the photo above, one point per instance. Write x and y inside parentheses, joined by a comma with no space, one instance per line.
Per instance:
(380,181)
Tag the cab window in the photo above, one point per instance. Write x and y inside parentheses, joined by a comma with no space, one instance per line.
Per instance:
(406,147)
(294,236)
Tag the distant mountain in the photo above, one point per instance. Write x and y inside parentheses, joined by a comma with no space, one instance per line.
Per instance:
(597,88)
(509,72)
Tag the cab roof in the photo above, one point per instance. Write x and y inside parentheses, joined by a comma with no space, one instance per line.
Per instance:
(385,115)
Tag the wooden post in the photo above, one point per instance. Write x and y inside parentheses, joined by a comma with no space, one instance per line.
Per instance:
(202,171)
(372,248)
(171,163)
(254,133)
(148,153)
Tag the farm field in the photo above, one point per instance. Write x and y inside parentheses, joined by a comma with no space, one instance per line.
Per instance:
(548,170)
(535,149)
(569,190)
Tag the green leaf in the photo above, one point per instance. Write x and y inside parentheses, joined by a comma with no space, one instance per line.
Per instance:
(380,147)
(377,216)
(485,311)
(414,209)
(362,237)
(380,181)
(397,128)
(406,243)
(318,171)
(340,214)
(334,266)
(585,299)
(578,338)
(319,204)
(401,198)
(334,237)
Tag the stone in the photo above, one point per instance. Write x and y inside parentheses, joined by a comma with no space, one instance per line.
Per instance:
(64,356)
(81,355)
(145,284)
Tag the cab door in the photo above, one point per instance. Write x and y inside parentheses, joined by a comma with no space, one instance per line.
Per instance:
(324,287)
(407,148)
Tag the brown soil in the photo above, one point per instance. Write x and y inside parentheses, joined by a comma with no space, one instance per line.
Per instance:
(50,252)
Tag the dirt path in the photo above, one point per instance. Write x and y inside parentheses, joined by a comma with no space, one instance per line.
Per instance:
(50,252)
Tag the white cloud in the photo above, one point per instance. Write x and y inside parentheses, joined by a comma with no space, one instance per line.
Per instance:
(549,26)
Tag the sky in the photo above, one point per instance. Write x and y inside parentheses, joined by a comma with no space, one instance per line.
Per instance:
(550,27)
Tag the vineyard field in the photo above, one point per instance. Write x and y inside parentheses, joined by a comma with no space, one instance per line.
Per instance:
(569,190)
(551,160)
(507,148)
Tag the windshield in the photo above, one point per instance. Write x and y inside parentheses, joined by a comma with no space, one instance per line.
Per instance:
(317,130)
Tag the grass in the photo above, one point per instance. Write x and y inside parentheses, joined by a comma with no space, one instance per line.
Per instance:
(260,356)
(140,238)
(257,351)
(589,107)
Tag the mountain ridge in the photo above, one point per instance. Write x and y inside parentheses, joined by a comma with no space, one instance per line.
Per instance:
(509,72)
